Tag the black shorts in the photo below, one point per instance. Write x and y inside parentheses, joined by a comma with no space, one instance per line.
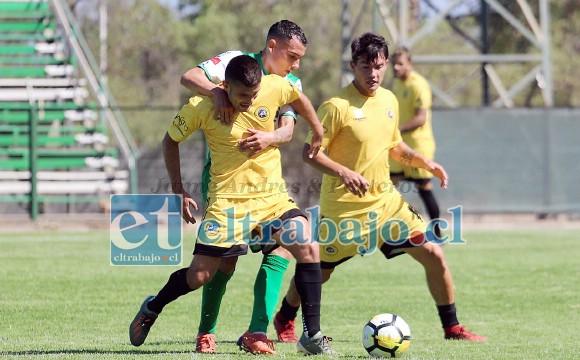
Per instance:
(389,251)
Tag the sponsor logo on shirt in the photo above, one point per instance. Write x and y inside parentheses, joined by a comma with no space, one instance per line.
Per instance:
(215,60)
(180,124)
(359,115)
(390,113)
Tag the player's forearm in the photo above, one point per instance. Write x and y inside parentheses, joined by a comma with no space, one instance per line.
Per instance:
(416,122)
(283,134)
(322,163)
(172,163)
(409,157)
(304,107)
(196,81)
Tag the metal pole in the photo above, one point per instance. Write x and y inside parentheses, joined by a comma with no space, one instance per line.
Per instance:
(103,36)
(484,21)
(32,154)
(346,76)
(546,53)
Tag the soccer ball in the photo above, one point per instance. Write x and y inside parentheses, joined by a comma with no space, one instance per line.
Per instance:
(386,335)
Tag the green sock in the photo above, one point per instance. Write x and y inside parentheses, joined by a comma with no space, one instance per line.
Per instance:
(266,291)
(211,299)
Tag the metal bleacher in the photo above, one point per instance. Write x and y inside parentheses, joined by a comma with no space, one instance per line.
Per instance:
(54,142)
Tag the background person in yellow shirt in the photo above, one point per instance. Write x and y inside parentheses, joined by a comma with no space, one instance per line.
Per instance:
(361,132)
(414,96)
(237,191)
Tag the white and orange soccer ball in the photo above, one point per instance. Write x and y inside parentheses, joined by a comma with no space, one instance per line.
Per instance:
(386,335)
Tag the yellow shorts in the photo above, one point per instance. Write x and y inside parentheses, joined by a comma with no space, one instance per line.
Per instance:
(411,172)
(231,222)
(387,228)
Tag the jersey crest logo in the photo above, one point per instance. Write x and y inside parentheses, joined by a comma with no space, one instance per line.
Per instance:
(390,113)
(262,113)
(215,60)
(330,250)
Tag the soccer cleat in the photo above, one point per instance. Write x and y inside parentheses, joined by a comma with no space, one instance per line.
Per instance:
(205,343)
(315,345)
(256,343)
(459,332)
(141,324)
(285,329)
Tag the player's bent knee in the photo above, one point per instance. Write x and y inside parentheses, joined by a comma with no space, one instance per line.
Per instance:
(305,253)
(197,279)
(282,252)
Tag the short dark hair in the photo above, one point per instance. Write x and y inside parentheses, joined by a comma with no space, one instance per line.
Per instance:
(286,30)
(401,50)
(244,70)
(369,46)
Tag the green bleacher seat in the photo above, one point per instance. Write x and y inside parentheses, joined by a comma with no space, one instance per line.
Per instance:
(65,105)
(33,60)
(49,36)
(17,159)
(11,6)
(28,71)
(27,26)
(17,49)
(25,14)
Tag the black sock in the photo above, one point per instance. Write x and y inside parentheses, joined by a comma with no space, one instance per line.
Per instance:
(308,280)
(432,208)
(175,287)
(448,315)
(288,311)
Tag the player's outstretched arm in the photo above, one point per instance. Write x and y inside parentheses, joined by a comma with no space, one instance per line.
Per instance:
(304,107)
(196,80)
(354,182)
(408,157)
(172,164)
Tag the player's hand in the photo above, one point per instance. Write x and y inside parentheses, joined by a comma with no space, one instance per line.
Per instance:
(224,110)
(355,182)
(315,144)
(438,171)
(256,142)
(187,203)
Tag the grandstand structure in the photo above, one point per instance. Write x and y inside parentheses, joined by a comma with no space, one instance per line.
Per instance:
(62,138)
(399,19)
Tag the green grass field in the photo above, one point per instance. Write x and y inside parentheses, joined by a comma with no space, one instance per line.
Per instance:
(59,298)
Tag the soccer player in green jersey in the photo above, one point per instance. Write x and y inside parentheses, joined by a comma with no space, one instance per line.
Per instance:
(285,45)
(238,203)
(414,95)
(361,132)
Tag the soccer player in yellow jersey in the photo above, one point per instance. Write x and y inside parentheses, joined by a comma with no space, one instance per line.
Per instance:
(285,46)
(414,95)
(361,132)
(247,193)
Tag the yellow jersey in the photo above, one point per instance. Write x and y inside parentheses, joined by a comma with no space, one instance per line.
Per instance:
(413,94)
(233,174)
(359,131)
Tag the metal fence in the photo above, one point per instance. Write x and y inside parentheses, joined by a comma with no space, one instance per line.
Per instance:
(509,160)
